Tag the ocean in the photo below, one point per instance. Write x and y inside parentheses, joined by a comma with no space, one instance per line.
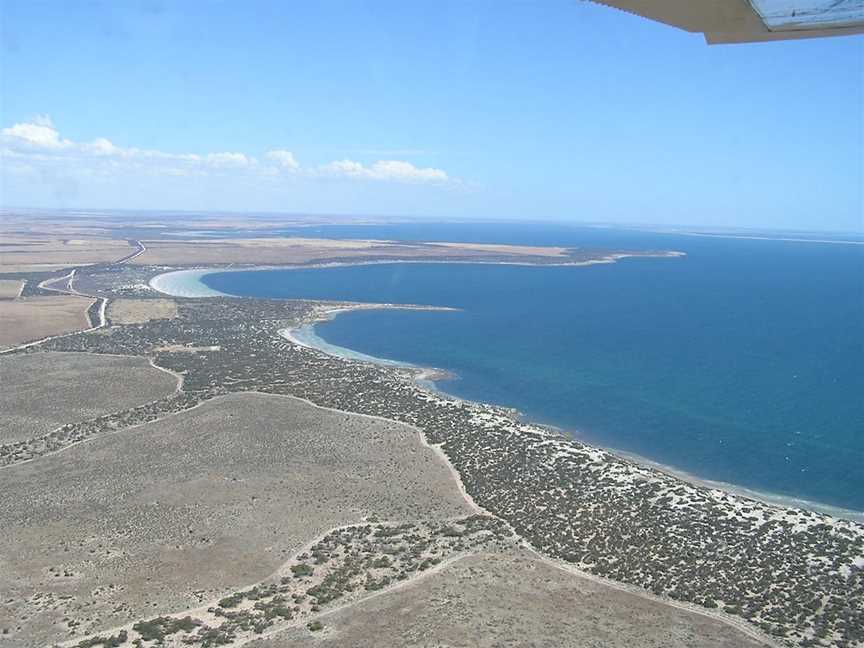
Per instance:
(741,363)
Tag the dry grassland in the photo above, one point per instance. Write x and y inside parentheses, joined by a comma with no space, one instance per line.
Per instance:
(167,515)
(491,600)
(33,318)
(138,311)
(50,389)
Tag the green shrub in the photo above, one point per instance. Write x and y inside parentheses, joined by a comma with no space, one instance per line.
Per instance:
(302,570)
(231,601)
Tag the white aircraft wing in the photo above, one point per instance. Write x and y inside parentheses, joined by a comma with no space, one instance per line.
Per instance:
(747,21)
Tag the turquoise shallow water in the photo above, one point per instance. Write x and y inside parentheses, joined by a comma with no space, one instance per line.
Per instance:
(741,363)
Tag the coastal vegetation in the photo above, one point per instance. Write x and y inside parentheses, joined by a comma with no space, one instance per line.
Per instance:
(353,567)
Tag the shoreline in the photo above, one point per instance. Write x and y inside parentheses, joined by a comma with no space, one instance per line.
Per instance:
(314,341)
(305,336)
(187,283)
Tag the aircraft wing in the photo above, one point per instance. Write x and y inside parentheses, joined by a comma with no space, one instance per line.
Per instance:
(748,21)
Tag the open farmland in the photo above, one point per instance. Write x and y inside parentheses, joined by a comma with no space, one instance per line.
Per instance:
(161,517)
(10,288)
(39,253)
(488,600)
(33,318)
(55,388)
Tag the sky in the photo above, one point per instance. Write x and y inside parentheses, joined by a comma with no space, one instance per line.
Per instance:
(553,110)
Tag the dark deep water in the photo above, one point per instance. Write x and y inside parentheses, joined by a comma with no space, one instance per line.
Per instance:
(742,362)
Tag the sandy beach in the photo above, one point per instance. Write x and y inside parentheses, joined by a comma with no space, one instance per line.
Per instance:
(185,283)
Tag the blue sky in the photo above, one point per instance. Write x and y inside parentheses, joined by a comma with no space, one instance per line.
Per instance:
(533,110)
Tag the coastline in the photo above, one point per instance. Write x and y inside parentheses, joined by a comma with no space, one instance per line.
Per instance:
(305,336)
(772,499)
(187,283)
(426,377)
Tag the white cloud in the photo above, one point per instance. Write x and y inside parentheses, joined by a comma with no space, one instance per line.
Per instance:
(229,160)
(34,135)
(102,146)
(398,170)
(344,167)
(388,170)
(38,143)
(282,158)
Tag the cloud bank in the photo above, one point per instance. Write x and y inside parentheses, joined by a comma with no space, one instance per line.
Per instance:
(37,146)
(393,170)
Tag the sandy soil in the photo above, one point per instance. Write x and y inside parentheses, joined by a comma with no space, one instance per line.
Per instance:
(510,600)
(33,318)
(167,515)
(137,311)
(34,253)
(9,288)
(51,389)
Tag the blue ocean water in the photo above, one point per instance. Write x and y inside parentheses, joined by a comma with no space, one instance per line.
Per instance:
(742,362)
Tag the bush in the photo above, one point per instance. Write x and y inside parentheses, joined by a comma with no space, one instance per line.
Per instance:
(315,626)
(157,628)
(107,642)
(231,601)
(302,570)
